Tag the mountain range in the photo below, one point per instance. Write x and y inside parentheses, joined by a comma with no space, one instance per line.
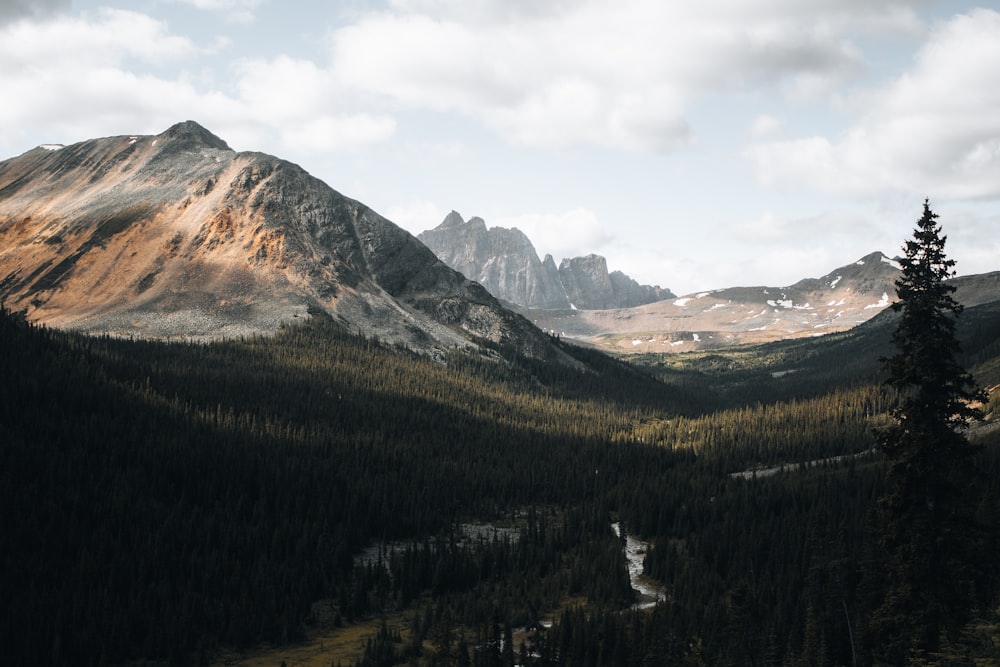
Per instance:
(178,236)
(505,262)
(582,301)
(837,301)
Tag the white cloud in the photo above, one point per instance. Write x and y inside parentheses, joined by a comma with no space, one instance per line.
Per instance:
(594,73)
(934,130)
(237,11)
(114,36)
(568,234)
(764,126)
(110,71)
(416,217)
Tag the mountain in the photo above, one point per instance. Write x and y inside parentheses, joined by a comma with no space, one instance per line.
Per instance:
(502,260)
(505,262)
(837,301)
(177,235)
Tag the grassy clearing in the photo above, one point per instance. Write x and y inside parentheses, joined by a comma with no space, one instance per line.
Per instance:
(334,646)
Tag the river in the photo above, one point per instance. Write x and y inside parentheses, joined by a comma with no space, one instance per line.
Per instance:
(649,591)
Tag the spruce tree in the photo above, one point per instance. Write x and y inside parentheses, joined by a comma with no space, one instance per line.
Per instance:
(927,525)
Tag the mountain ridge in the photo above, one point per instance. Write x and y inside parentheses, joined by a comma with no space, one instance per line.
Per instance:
(837,301)
(177,235)
(506,263)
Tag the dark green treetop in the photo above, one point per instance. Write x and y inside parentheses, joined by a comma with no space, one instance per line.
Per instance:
(938,397)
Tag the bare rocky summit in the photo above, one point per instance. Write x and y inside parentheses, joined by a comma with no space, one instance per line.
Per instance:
(505,262)
(177,235)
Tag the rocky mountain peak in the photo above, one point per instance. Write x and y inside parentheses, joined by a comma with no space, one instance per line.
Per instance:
(502,260)
(452,220)
(506,263)
(190,135)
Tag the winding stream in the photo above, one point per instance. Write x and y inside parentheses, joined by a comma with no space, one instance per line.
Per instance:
(649,591)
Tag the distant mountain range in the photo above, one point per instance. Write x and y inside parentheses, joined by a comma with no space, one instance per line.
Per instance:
(177,235)
(582,301)
(505,262)
(840,300)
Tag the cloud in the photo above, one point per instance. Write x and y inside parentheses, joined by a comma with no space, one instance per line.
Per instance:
(933,130)
(115,36)
(122,71)
(236,11)
(416,217)
(50,66)
(764,125)
(300,103)
(618,75)
(13,10)
(571,233)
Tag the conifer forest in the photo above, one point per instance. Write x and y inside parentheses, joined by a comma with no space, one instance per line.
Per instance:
(191,503)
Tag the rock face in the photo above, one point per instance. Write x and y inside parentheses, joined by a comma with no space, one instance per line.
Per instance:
(505,262)
(177,235)
(502,260)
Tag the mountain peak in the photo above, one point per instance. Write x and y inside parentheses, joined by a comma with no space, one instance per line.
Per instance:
(190,134)
(506,263)
(452,220)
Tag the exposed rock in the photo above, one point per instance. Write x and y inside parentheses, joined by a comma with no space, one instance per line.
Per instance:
(502,260)
(506,263)
(177,235)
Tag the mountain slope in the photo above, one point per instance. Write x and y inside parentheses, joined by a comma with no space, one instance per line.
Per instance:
(178,235)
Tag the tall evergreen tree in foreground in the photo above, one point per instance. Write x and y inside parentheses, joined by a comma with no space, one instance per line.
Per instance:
(928,533)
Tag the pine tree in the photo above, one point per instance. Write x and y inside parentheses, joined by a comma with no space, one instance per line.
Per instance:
(927,526)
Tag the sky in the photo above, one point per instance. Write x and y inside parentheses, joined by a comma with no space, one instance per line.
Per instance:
(695,145)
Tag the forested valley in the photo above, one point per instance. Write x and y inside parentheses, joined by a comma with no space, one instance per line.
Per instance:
(179,502)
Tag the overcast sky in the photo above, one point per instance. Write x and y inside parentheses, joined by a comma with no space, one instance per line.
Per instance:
(696,145)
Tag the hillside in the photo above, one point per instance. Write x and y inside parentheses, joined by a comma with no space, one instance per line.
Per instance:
(186,502)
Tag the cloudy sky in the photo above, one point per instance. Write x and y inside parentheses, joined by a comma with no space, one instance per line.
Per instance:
(696,145)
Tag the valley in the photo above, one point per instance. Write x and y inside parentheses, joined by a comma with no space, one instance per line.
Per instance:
(248,420)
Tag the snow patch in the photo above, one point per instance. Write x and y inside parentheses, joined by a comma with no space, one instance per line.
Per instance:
(891,262)
(833,285)
(696,338)
(636,341)
(883,302)
(860,262)
(784,303)
(52,147)
(680,303)
(572,306)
